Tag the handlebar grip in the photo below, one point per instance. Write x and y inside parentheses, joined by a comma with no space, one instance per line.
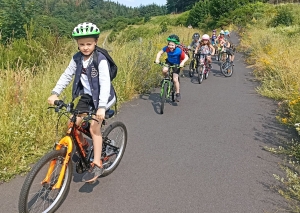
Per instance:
(58,102)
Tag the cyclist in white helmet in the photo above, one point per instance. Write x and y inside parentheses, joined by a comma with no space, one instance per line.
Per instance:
(92,84)
(205,47)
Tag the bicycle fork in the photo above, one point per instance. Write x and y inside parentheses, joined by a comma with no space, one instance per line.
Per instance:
(64,142)
(169,88)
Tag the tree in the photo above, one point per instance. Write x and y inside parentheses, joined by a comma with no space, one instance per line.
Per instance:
(14,15)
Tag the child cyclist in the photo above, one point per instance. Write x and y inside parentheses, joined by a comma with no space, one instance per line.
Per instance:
(195,41)
(213,37)
(94,87)
(225,44)
(205,47)
(176,56)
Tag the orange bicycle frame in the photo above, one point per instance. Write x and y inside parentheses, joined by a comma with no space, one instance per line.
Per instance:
(64,142)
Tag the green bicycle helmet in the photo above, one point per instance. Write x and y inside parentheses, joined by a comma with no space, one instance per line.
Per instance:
(86,29)
(174,38)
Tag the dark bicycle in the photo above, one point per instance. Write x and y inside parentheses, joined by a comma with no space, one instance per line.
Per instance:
(167,86)
(47,184)
(193,64)
(203,68)
(226,67)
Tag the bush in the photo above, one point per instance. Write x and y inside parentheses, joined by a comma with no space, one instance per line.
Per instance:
(147,18)
(182,19)
(283,17)
(163,27)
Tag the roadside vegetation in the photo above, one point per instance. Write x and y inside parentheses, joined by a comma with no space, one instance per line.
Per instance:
(269,42)
(30,69)
(31,65)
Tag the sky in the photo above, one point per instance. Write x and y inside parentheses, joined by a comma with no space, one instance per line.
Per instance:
(136,3)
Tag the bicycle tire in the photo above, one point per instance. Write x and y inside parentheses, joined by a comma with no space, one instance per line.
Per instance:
(121,146)
(228,71)
(163,98)
(200,74)
(39,172)
(207,73)
(191,68)
(219,56)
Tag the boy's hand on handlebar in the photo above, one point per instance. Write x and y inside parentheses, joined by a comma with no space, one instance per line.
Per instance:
(100,114)
(181,64)
(52,98)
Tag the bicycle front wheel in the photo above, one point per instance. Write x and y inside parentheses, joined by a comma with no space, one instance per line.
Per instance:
(116,135)
(207,72)
(191,68)
(227,69)
(39,197)
(163,97)
(200,74)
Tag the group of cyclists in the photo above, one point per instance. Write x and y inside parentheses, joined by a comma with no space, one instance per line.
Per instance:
(206,45)
(92,72)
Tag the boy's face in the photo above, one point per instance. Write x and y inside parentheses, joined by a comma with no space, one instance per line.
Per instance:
(86,45)
(172,46)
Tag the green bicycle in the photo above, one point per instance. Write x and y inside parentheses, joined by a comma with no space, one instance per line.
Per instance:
(167,87)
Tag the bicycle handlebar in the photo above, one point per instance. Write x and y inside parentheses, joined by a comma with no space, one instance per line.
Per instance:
(69,107)
(167,65)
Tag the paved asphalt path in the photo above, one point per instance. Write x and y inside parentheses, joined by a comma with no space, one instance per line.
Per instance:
(204,155)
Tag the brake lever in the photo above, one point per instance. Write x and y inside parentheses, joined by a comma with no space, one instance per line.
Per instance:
(95,120)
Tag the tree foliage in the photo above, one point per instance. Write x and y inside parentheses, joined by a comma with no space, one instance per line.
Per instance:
(175,6)
(209,12)
(60,16)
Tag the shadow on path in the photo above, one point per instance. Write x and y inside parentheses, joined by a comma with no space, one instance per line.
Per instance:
(155,101)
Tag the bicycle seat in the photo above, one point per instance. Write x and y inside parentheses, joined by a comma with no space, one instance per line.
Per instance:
(109,113)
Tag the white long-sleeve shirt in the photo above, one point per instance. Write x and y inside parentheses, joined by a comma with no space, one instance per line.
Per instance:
(104,80)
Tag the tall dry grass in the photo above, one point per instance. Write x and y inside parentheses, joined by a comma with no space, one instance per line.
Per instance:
(274,55)
(274,52)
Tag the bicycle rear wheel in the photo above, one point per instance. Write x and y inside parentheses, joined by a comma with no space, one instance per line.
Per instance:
(200,74)
(163,97)
(116,135)
(36,196)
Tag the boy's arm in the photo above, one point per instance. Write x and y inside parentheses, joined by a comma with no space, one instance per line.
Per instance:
(158,56)
(197,48)
(65,78)
(191,45)
(184,60)
(104,83)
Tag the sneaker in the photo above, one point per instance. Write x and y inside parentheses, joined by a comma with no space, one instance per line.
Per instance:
(92,174)
(231,63)
(178,97)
